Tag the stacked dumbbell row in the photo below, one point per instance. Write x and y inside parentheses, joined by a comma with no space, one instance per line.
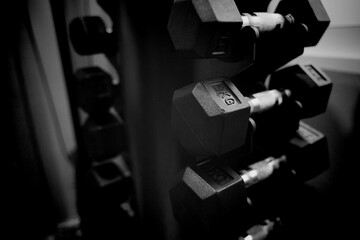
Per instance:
(216,123)
(213,195)
(221,29)
(104,133)
(212,117)
(106,196)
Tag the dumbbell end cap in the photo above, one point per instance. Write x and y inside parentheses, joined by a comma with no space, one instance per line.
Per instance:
(210,117)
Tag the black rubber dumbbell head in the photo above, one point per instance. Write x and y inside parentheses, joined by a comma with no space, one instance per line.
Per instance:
(95,90)
(307,152)
(104,137)
(209,200)
(311,13)
(210,117)
(308,84)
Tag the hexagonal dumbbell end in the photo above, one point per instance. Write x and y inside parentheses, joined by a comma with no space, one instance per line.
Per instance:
(307,152)
(209,200)
(311,13)
(109,181)
(210,117)
(104,137)
(95,90)
(204,30)
(89,35)
(308,85)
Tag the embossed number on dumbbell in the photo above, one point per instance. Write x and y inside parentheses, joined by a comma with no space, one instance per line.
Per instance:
(224,93)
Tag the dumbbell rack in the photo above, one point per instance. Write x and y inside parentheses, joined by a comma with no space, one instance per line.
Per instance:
(105,193)
(149,70)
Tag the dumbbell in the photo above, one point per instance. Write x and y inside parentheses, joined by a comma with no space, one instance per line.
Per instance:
(210,201)
(211,197)
(95,90)
(104,136)
(207,29)
(211,29)
(211,117)
(89,35)
(310,13)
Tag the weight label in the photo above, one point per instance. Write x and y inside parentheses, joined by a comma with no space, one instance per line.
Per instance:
(224,93)
(315,73)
